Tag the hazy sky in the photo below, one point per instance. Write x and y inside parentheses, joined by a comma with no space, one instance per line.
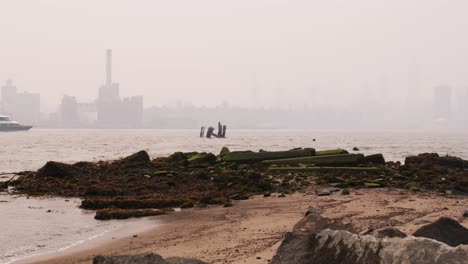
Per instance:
(206,51)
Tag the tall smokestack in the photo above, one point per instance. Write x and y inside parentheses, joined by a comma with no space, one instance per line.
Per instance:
(109,67)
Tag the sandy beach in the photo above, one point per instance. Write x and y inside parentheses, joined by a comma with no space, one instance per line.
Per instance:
(251,230)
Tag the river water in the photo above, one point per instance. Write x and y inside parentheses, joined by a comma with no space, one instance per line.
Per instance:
(29,228)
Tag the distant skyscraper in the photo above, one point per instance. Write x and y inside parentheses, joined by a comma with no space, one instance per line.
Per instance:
(112,111)
(69,111)
(442,102)
(24,107)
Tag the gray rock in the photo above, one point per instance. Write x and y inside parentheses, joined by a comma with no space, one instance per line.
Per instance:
(324,192)
(339,246)
(316,239)
(312,211)
(334,189)
(445,230)
(388,232)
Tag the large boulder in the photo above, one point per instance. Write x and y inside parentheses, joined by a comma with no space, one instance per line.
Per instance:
(140,156)
(445,230)
(377,159)
(59,170)
(340,247)
(314,241)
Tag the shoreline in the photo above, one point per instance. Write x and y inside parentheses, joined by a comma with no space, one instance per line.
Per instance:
(134,226)
(251,230)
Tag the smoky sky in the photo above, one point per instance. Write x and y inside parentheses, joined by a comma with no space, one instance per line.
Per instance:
(247,52)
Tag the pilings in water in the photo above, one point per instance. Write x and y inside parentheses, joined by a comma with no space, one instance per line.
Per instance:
(210,133)
(221,133)
(202,131)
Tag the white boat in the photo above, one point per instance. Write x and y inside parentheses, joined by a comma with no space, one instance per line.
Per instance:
(8,125)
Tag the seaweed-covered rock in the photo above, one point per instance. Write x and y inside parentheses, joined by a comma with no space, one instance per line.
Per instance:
(331,152)
(113,213)
(208,158)
(445,230)
(58,170)
(140,156)
(434,159)
(325,160)
(250,156)
(377,159)
(130,203)
(224,151)
(148,258)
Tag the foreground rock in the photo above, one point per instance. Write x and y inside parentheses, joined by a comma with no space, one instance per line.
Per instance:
(445,230)
(320,240)
(148,258)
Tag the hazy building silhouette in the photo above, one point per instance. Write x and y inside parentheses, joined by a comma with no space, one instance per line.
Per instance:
(442,102)
(112,111)
(24,107)
(69,111)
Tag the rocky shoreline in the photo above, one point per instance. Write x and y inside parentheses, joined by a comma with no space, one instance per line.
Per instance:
(137,186)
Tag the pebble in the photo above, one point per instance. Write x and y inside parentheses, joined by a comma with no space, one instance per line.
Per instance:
(323,192)
(312,211)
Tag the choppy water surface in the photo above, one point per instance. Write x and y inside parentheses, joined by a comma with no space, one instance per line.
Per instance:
(29,229)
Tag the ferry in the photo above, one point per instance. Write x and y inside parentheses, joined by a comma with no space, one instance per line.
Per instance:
(8,125)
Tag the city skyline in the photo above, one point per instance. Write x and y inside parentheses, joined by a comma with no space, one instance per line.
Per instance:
(108,109)
(207,52)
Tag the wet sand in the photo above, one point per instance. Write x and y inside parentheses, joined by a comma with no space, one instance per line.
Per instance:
(251,230)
